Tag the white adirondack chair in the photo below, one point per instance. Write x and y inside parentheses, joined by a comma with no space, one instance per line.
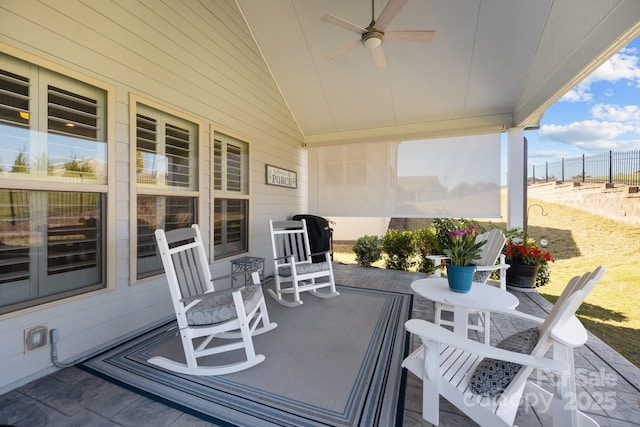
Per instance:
(203,312)
(489,254)
(446,363)
(293,265)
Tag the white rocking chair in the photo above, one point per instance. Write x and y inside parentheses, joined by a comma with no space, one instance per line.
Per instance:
(447,364)
(204,313)
(489,254)
(294,266)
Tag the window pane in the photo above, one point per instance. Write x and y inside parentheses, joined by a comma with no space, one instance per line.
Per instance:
(234,168)
(14,123)
(68,145)
(15,236)
(217,165)
(168,213)
(74,149)
(148,163)
(51,246)
(231,222)
(230,175)
(72,114)
(179,149)
(14,99)
(166,150)
(73,232)
(230,165)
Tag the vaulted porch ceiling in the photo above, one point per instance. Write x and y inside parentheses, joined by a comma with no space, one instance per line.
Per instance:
(492,64)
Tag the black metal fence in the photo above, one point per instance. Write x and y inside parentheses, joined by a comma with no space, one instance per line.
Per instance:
(614,167)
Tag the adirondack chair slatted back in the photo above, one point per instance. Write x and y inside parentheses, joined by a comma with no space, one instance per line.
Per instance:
(562,309)
(491,250)
(489,253)
(289,238)
(565,307)
(182,253)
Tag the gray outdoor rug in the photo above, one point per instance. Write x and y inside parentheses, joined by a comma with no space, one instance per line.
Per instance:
(332,362)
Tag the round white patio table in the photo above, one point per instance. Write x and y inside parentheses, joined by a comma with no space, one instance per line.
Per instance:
(482,297)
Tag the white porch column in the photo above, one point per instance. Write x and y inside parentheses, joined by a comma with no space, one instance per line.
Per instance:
(516,178)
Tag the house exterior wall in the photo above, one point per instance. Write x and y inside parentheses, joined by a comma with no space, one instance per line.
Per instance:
(192,57)
(348,229)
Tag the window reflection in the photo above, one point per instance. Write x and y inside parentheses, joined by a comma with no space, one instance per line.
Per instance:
(26,154)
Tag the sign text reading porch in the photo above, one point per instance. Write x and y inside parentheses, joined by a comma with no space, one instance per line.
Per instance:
(281,177)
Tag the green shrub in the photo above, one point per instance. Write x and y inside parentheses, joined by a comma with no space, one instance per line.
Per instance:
(368,249)
(426,243)
(398,246)
(442,227)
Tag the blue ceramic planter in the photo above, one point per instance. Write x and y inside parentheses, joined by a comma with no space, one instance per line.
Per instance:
(460,277)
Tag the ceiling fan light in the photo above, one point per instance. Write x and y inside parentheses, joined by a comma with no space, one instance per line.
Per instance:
(372,40)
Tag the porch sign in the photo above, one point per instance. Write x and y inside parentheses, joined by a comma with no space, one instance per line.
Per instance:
(281,177)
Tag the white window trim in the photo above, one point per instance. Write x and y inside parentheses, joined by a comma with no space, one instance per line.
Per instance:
(213,129)
(109,189)
(134,100)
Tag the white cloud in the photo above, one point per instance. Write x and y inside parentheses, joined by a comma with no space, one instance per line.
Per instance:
(579,93)
(622,65)
(627,113)
(590,135)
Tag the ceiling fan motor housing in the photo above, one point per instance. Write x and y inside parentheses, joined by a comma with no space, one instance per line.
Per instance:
(372,39)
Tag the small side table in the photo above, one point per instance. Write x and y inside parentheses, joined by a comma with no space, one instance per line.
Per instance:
(248,263)
(481,297)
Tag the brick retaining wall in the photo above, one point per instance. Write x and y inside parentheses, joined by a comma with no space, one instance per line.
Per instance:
(617,202)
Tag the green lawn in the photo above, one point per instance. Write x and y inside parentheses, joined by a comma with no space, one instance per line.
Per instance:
(580,241)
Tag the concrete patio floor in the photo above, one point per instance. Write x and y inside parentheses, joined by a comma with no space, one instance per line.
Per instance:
(609,389)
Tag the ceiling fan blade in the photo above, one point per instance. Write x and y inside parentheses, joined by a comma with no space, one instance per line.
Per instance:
(410,36)
(345,49)
(379,58)
(343,24)
(390,11)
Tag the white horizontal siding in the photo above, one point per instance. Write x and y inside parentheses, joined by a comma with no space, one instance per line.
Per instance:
(196,57)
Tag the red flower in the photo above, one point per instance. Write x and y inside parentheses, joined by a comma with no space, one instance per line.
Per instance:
(526,254)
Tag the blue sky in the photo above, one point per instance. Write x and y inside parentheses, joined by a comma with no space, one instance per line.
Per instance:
(599,114)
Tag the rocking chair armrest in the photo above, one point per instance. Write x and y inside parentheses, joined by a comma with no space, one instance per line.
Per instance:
(428,331)
(320,253)
(213,294)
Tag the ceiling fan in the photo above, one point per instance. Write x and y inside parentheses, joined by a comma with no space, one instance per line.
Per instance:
(374,35)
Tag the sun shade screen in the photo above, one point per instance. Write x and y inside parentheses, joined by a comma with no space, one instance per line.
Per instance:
(449,177)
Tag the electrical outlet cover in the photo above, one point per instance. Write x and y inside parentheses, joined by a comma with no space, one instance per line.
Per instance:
(36,337)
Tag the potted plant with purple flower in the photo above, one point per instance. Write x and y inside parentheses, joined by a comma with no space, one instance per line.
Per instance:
(462,250)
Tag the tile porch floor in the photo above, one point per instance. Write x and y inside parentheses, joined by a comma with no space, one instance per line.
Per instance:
(72,397)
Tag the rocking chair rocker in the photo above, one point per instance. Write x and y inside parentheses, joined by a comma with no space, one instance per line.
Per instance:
(204,313)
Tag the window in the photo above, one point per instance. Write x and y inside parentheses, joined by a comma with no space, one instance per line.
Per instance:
(52,129)
(230,195)
(166,177)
